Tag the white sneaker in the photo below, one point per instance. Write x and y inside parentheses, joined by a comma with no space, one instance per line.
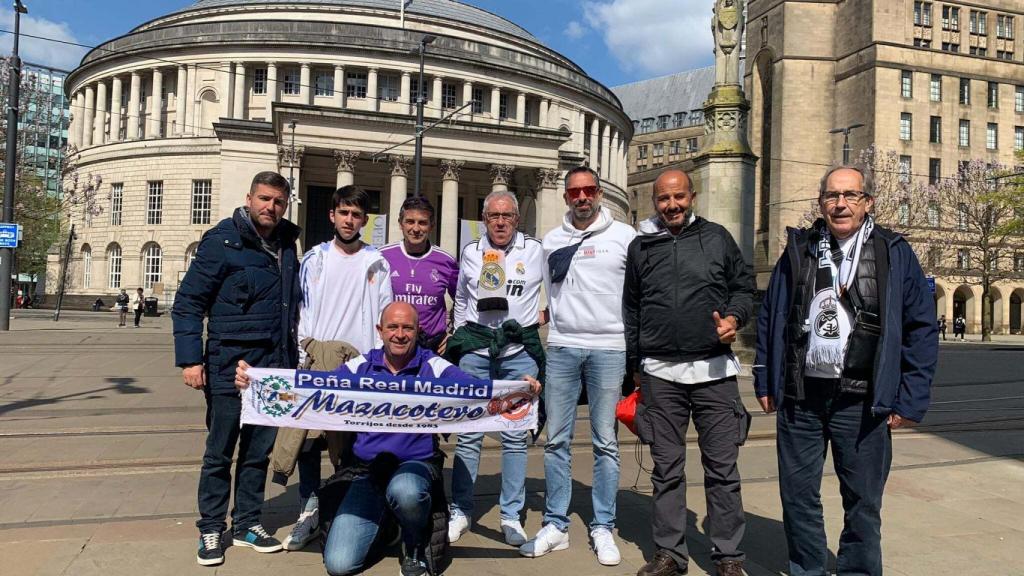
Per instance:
(457,525)
(549,539)
(604,546)
(514,533)
(304,530)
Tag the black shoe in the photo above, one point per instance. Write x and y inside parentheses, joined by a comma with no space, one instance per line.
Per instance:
(257,539)
(661,565)
(210,553)
(413,567)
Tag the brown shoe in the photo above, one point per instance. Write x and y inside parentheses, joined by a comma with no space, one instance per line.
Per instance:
(661,565)
(730,568)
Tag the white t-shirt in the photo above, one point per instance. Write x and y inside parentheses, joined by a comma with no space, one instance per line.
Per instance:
(831,323)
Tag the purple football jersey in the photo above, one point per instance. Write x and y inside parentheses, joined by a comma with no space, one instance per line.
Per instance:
(422,281)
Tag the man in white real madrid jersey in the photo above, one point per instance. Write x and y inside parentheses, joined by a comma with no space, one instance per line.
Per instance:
(497,309)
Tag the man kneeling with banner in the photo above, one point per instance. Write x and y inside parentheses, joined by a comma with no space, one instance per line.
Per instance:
(398,387)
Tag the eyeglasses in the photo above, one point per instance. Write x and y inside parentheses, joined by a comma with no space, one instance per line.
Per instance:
(496,216)
(588,191)
(851,197)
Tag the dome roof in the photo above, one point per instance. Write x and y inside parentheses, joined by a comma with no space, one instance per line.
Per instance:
(448,9)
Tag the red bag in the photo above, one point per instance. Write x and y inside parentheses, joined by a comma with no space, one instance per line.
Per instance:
(625,410)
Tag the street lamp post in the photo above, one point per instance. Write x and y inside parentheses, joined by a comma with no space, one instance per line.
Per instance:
(13,95)
(422,49)
(846,139)
(293,195)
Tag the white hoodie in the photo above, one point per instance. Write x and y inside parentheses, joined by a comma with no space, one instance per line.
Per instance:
(586,308)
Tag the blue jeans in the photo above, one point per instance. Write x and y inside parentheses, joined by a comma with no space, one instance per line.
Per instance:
(513,444)
(361,514)
(567,370)
(223,422)
(862,452)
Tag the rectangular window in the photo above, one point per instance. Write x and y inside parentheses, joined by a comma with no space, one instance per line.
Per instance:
(641,152)
(1018,99)
(116,203)
(503,106)
(679,119)
(663,122)
(965,133)
(647,125)
(389,87)
(934,171)
(904,212)
(1018,139)
(951,18)
(478,101)
(951,46)
(963,258)
(935,130)
(114,266)
(906,126)
(202,201)
(992,136)
(961,216)
(291,81)
(155,202)
(696,117)
(1004,27)
(965,91)
(993,95)
(1004,54)
(923,13)
(976,51)
(1018,262)
(933,214)
(905,169)
(979,22)
(935,88)
(449,99)
(355,85)
(325,83)
(691,145)
(659,149)
(907,84)
(673,147)
(414,89)
(259,81)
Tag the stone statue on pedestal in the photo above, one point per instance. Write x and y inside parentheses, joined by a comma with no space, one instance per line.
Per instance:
(727,28)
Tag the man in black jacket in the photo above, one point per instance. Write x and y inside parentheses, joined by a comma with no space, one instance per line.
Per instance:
(244,281)
(687,292)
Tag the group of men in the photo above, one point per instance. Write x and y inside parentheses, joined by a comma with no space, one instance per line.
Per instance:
(657,309)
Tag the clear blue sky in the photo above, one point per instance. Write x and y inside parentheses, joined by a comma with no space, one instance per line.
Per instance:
(615,41)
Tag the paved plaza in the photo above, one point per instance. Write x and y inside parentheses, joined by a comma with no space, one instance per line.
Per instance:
(102,443)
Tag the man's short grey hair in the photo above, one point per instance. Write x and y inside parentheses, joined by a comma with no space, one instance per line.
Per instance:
(501,194)
(865,172)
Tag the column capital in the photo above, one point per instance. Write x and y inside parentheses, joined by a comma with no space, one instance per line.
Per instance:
(346,160)
(399,164)
(339,66)
(451,169)
(283,153)
(240,63)
(501,173)
(548,177)
(406,74)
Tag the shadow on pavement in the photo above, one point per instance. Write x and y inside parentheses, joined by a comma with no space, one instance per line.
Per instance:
(119,385)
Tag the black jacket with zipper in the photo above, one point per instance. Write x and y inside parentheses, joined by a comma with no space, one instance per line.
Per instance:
(674,284)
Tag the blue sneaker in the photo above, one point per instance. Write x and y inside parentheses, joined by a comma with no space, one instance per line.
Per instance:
(256,537)
(210,553)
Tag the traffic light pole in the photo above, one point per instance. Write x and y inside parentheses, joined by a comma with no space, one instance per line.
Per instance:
(13,97)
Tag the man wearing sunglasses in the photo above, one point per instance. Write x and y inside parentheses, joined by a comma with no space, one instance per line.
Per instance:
(846,351)
(585,262)
(687,292)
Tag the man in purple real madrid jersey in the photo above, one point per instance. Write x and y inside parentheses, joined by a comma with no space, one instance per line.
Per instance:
(421,274)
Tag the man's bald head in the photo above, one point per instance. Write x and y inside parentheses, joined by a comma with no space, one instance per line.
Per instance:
(673,178)
(399,309)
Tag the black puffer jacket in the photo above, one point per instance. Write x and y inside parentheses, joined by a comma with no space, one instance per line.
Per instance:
(673,285)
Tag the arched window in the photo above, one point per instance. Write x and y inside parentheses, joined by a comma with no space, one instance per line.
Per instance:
(86,266)
(152,265)
(114,265)
(190,254)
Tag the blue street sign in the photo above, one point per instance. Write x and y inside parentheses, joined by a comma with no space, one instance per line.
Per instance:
(931,283)
(9,235)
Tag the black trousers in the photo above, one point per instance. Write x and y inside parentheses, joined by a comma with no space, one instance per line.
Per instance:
(721,422)
(138,315)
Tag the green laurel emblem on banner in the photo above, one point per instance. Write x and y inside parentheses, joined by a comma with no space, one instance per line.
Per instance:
(274,396)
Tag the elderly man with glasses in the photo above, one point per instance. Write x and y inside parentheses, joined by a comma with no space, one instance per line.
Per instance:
(496,317)
(846,351)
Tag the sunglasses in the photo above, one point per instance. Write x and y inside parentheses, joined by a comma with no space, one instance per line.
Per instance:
(588,191)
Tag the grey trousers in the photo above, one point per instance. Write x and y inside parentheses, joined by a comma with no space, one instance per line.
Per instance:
(722,424)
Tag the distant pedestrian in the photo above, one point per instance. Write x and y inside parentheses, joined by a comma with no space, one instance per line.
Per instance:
(959,327)
(123,299)
(942,326)
(138,305)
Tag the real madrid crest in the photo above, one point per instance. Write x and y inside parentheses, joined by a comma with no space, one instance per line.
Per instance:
(520,268)
(492,275)
(826,324)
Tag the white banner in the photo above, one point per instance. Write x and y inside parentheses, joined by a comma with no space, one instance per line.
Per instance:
(342,400)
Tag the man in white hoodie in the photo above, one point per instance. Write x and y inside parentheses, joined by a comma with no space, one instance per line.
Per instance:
(585,265)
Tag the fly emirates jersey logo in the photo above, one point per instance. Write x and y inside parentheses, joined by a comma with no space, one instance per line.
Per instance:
(413,294)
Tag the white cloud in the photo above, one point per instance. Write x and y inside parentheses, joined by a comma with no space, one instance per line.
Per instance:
(654,37)
(41,51)
(575,30)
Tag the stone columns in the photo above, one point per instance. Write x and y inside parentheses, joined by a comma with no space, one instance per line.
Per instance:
(579,131)
(606,152)
(521,108)
(134,94)
(550,205)
(99,135)
(405,96)
(542,119)
(155,105)
(496,103)
(399,192)
(500,176)
(305,93)
(291,166)
(225,91)
(595,143)
(192,110)
(79,116)
(180,100)
(435,98)
(89,121)
(467,97)
(115,109)
(339,86)
(271,90)
(238,109)
(345,160)
(372,99)
(450,172)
